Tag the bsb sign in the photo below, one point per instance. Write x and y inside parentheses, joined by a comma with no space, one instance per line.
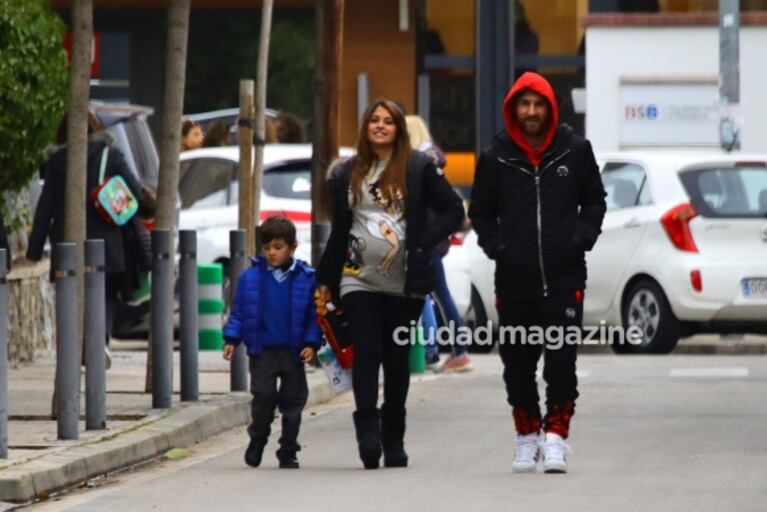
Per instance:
(669,112)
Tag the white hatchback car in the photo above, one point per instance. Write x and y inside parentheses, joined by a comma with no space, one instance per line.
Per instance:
(683,248)
(209,193)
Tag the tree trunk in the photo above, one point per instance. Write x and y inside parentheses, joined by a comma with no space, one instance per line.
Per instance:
(330,15)
(77,151)
(261,75)
(173,105)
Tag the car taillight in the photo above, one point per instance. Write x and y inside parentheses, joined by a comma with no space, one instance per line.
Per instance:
(457,238)
(676,222)
(696,281)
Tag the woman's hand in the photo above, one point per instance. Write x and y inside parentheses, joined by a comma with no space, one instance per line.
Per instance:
(321,298)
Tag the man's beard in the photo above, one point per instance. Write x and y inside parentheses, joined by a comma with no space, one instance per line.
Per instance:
(533,130)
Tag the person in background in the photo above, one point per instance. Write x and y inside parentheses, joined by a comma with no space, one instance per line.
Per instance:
(217,136)
(379,200)
(281,334)
(192,136)
(289,129)
(459,360)
(51,210)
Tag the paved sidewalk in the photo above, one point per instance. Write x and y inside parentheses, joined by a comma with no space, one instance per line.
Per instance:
(39,464)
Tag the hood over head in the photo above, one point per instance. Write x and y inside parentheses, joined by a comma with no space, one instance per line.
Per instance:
(540,85)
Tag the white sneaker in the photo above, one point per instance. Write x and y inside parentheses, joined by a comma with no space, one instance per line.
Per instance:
(554,459)
(527,454)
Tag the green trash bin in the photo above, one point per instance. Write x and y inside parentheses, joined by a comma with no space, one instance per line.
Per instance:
(210,306)
(417,353)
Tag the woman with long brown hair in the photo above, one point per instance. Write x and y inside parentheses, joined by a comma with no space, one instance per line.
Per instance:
(377,263)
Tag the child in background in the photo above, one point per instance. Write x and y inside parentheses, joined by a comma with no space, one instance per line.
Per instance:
(274,314)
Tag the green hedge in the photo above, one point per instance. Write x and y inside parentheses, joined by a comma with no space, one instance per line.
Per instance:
(34,81)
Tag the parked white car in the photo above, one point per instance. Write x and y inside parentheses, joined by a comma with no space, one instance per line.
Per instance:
(683,248)
(209,193)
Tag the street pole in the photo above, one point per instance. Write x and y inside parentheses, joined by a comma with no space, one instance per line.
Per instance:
(246,221)
(261,79)
(162,319)
(327,76)
(95,337)
(3,358)
(188,315)
(238,366)
(729,74)
(67,346)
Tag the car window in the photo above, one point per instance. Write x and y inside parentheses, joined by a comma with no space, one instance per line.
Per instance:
(283,181)
(205,183)
(289,182)
(626,185)
(728,192)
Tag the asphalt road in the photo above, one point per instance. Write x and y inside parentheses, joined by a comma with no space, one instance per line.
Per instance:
(650,433)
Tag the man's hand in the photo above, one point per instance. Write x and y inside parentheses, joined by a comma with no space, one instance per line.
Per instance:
(228,352)
(321,298)
(307,355)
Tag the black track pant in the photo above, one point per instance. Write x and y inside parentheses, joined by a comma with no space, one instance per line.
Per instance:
(521,360)
(291,397)
(373,319)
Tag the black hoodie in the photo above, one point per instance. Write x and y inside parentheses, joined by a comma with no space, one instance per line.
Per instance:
(537,220)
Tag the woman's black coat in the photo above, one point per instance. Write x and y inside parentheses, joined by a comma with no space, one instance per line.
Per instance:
(427,190)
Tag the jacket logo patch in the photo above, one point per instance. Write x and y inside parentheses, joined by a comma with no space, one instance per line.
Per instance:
(570,313)
(563,171)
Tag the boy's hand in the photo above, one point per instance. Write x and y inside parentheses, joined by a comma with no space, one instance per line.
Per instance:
(228,352)
(307,355)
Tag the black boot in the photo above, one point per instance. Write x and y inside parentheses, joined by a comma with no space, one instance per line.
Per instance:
(393,437)
(368,429)
(287,458)
(254,453)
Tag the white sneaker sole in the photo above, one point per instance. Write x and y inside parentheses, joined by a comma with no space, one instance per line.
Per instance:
(523,469)
(554,468)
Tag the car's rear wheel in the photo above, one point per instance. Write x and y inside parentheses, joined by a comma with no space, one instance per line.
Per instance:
(647,308)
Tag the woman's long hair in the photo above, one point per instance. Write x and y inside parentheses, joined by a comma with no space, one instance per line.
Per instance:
(393,184)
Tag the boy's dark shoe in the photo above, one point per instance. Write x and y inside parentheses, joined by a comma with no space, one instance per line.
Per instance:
(253,454)
(288,459)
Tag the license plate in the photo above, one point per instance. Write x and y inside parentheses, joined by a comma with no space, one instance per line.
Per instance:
(755,287)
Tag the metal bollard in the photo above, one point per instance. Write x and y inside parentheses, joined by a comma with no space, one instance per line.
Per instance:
(238,368)
(3,358)
(187,291)
(162,319)
(95,336)
(67,348)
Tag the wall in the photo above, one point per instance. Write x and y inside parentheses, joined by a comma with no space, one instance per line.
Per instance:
(669,51)
(373,44)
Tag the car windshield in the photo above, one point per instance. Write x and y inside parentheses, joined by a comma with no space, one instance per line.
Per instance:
(728,192)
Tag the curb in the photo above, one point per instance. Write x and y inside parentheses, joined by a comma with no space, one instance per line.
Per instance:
(723,347)
(183,425)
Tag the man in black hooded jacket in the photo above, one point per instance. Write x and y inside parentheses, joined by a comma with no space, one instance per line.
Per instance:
(537,205)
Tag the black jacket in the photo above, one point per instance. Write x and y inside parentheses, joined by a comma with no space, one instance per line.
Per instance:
(49,214)
(536,223)
(427,189)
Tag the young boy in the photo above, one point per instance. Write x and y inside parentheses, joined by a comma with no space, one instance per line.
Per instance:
(274,315)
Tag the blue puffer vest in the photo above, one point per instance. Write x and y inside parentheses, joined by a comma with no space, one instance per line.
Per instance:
(245,315)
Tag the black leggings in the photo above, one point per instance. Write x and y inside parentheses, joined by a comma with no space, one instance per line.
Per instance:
(373,318)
